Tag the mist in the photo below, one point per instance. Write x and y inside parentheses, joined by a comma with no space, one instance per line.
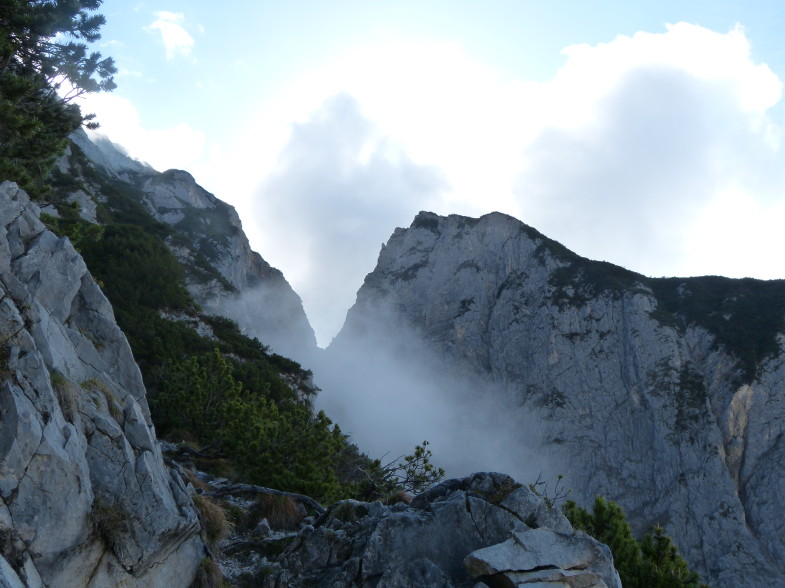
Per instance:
(385,386)
(336,193)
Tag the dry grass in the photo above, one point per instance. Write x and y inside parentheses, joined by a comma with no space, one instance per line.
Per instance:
(112,403)
(208,575)
(282,512)
(396,497)
(109,522)
(196,482)
(67,395)
(213,520)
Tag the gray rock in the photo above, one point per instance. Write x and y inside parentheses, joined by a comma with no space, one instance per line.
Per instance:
(251,292)
(224,275)
(86,498)
(425,543)
(543,554)
(644,411)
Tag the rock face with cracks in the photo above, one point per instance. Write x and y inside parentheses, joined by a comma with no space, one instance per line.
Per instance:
(481,530)
(627,397)
(86,499)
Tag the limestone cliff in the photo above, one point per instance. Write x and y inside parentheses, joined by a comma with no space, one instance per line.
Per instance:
(86,497)
(665,395)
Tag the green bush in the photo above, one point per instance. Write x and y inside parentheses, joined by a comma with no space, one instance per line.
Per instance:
(652,563)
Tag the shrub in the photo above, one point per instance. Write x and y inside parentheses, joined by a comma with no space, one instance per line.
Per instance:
(653,563)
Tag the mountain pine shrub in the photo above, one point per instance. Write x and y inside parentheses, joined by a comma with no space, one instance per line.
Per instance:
(652,563)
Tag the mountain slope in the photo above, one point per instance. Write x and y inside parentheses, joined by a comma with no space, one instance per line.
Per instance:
(224,275)
(665,395)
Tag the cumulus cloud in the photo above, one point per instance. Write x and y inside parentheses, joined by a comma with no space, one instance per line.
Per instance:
(667,125)
(335,195)
(633,152)
(175,38)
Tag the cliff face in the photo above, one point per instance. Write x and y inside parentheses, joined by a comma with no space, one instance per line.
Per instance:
(628,393)
(86,498)
(225,276)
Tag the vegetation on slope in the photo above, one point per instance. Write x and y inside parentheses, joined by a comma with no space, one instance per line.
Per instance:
(744,315)
(223,392)
(653,562)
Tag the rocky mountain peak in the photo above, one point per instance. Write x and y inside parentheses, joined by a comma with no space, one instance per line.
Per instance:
(663,394)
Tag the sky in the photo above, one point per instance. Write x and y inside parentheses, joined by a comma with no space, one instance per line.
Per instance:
(645,134)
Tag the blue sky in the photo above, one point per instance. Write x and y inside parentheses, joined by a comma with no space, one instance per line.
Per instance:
(646,134)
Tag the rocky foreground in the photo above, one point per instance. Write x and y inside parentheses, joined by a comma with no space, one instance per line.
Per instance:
(86,497)
(482,530)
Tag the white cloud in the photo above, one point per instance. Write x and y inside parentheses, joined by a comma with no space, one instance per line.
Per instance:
(178,146)
(655,128)
(176,39)
(621,155)
(627,154)
(737,235)
(334,196)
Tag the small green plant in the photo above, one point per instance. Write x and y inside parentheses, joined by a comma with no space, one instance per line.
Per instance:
(410,473)
(540,488)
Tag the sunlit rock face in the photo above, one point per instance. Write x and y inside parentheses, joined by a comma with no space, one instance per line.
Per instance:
(625,391)
(224,275)
(86,499)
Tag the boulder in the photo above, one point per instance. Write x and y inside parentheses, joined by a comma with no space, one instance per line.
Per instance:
(457,525)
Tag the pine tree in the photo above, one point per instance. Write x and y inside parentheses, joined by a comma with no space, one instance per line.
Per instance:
(43,50)
(653,563)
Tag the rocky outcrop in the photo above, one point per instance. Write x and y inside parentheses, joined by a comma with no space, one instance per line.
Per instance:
(623,390)
(86,497)
(483,530)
